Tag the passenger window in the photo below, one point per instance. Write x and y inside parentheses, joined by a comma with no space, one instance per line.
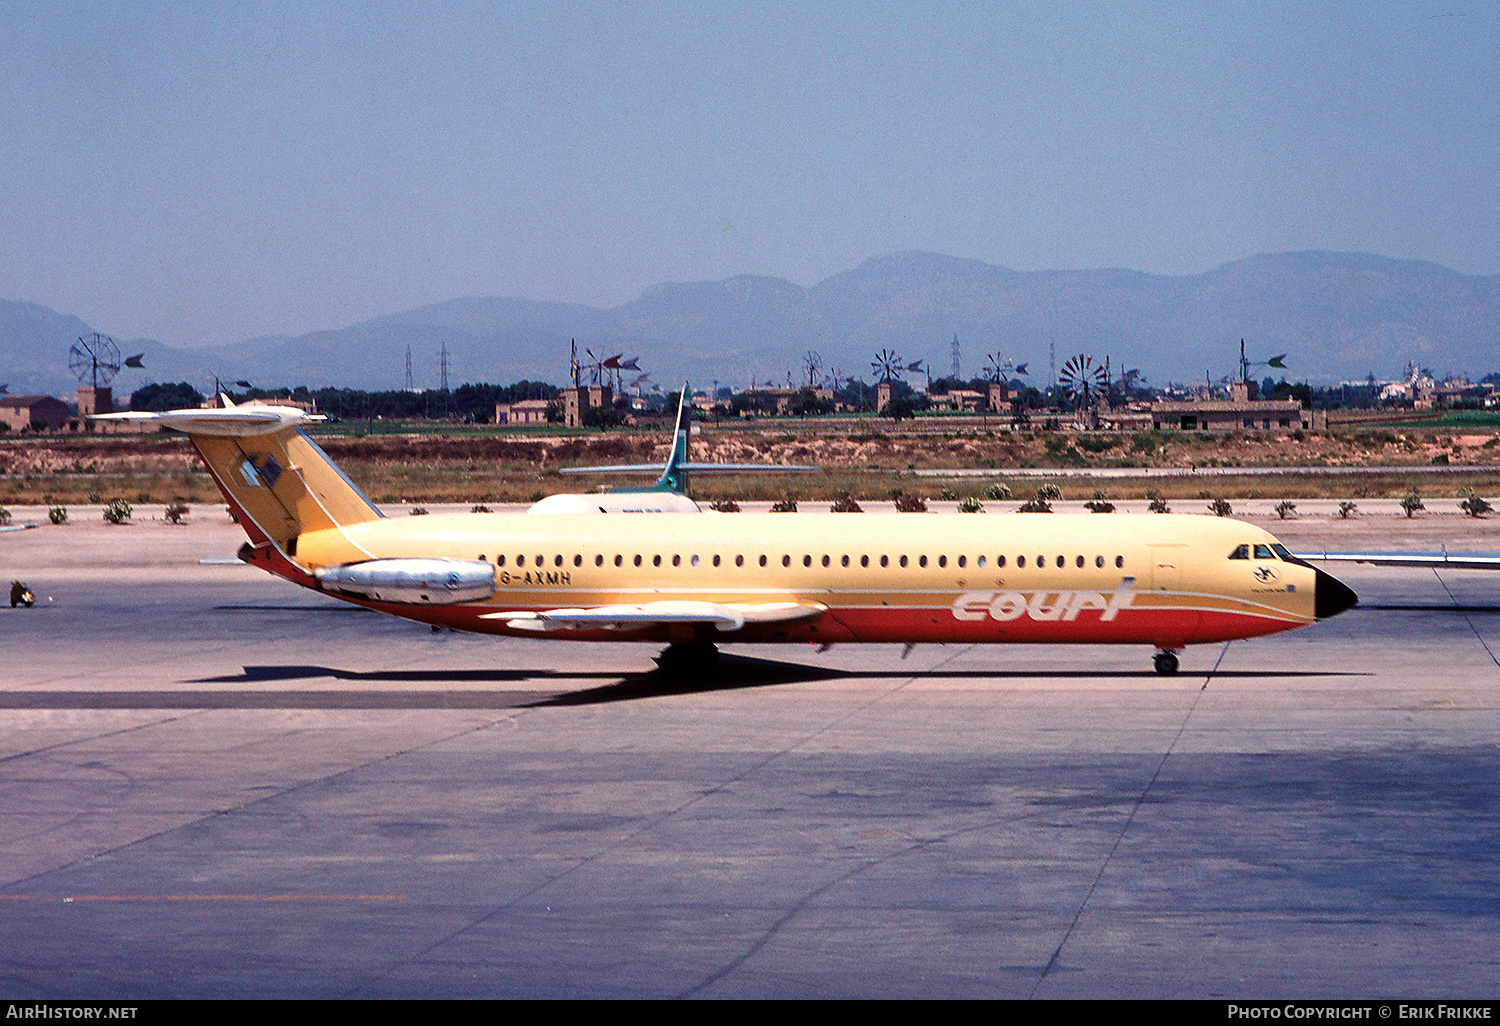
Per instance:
(762,560)
(843,561)
(885,560)
(786,560)
(637,559)
(943,561)
(963,560)
(1242,552)
(825,560)
(599,559)
(1079,561)
(903,560)
(656,560)
(806,560)
(1020,562)
(499,560)
(577,560)
(921,561)
(676,560)
(1062,561)
(619,559)
(864,560)
(1119,561)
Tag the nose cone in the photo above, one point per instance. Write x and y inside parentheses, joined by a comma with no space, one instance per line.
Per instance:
(1331,596)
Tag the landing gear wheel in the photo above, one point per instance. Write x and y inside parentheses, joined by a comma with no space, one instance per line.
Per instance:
(692,660)
(1166,663)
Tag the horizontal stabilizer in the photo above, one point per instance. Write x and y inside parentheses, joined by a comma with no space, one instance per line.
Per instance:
(237,420)
(725,617)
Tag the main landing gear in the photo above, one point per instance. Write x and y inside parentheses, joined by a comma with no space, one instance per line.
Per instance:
(1166,663)
(690,660)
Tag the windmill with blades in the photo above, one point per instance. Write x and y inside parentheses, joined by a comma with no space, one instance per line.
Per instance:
(1086,384)
(999,370)
(1244,383)
(887,368)
(95,360)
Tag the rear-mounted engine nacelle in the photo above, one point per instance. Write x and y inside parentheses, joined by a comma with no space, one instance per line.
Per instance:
(432,582)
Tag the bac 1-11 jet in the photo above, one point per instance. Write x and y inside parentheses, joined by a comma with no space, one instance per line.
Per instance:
(693,581)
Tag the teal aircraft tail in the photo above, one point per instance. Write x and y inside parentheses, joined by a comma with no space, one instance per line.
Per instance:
(674,474)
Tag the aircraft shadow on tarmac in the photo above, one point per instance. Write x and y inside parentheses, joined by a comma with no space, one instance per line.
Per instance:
(733,672)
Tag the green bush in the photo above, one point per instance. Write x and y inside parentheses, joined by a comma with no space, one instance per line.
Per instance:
(118,511)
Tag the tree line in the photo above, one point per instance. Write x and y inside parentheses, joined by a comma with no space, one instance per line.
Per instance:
(469,403)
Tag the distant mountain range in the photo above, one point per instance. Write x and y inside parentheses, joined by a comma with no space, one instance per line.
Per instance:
(1337,316)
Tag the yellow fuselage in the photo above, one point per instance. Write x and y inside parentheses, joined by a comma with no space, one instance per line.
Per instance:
(1161,579)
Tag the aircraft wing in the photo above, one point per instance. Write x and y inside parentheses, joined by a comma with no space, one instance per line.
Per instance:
(696,468)
(1451,560)
(727,617)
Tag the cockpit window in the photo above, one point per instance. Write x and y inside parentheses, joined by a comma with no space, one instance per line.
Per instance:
(1281,551)
(1243,552)
(1264,552)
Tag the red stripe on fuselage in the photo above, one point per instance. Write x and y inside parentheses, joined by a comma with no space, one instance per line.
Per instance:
(1162,626)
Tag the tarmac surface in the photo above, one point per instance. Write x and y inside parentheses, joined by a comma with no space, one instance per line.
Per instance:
(214,784)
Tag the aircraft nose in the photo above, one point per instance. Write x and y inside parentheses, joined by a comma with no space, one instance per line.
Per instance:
(1331,596)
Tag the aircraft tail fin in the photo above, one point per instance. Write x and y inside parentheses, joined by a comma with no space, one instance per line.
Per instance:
(674,476)
(278,481)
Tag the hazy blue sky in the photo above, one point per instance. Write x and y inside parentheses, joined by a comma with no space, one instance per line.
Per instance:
(204,173)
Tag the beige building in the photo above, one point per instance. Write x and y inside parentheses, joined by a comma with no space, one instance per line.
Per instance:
(527,411)
(33,413)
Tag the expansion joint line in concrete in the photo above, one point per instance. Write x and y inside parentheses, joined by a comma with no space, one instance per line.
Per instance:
(795,909)
(1467,619)
(1125,827)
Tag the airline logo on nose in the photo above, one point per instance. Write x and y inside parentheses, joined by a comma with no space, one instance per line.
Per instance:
(1043,605)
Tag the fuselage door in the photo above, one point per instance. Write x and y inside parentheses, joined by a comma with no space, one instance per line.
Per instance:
(1166,566)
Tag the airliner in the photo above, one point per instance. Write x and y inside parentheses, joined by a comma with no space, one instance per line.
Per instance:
(691,582)
(669,493)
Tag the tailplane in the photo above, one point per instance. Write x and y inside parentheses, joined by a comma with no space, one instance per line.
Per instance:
(277,480)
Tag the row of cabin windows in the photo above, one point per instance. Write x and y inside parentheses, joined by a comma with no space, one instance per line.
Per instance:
(807,560)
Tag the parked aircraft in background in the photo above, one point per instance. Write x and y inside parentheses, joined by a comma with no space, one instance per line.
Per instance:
(668,494)
(1167,581)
